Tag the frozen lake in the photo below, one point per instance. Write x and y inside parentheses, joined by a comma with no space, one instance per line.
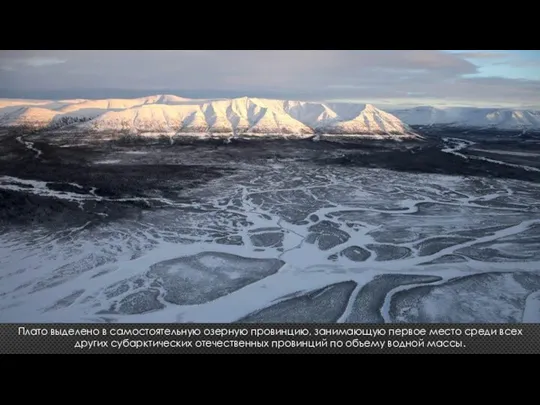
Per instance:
(287,240)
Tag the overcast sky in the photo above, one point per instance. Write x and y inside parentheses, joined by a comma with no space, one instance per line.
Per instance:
(386,78)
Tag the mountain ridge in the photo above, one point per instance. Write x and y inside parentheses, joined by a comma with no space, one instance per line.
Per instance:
(171,114)
(504,119)
(168,114)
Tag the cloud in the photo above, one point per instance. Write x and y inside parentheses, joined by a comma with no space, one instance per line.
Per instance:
(401,76)
(481,54)
(23,60)
(36,62)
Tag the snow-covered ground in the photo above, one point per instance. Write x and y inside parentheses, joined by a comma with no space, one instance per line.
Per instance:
(284,242)
(454,145)
(507,152)
(29,145)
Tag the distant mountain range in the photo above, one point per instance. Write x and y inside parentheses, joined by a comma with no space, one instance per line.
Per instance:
(502,119)
(173,115)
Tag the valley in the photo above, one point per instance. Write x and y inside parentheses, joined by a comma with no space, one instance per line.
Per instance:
(267,230)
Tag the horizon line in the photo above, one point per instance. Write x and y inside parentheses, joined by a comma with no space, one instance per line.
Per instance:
(388,103)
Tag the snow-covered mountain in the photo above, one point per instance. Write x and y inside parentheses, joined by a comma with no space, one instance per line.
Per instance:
(368,120)
(169,114)
(470,117)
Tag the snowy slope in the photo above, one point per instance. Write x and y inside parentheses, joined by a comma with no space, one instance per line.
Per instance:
(147,118)
(424,115)
(30,116)
(370,120)
(470,117)
(315,115)
(175,115)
